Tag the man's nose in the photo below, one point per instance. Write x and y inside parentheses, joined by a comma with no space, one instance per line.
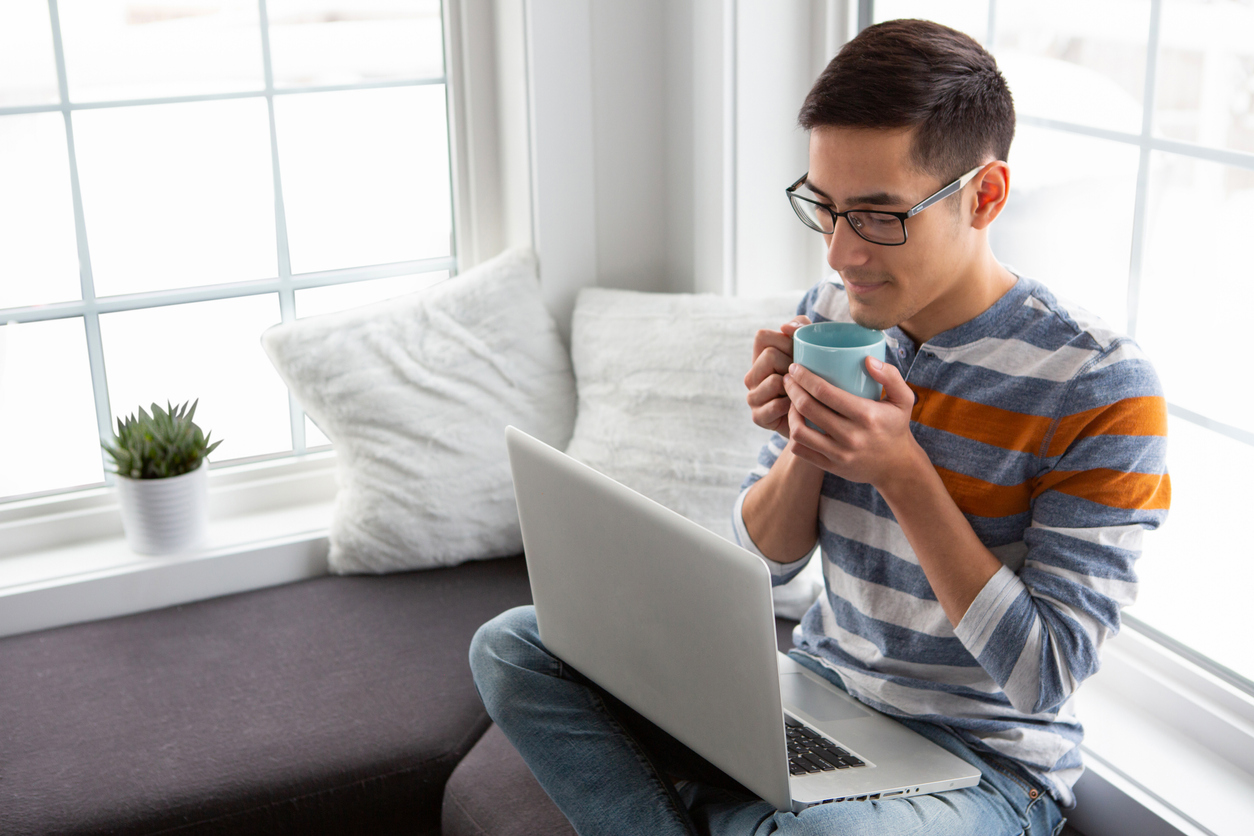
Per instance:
(845,248)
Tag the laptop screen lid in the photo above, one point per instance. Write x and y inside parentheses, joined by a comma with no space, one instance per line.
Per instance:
(667,616)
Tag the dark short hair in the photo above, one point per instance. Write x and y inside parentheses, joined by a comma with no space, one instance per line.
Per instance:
(919,74)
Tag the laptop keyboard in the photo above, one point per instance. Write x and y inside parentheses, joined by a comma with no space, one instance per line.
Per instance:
(809,751)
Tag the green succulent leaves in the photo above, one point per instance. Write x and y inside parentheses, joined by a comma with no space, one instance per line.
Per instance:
(163,444)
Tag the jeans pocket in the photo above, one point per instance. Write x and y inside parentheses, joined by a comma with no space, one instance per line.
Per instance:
(1038,812)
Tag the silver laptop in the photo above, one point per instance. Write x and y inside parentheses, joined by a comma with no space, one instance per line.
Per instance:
(678,623)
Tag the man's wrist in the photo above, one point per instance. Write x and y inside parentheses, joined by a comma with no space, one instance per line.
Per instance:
(780,511)
(912,470)
(796,465)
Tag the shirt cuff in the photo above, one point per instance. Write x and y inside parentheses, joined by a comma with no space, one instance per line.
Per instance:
(781,573)
(987,610)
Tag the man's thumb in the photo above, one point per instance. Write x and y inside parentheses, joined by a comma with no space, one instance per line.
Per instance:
(896,390)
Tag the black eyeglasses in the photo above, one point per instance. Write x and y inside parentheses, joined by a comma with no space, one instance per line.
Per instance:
(885,228)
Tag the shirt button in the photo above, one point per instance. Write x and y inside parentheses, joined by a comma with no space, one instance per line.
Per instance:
(901,352)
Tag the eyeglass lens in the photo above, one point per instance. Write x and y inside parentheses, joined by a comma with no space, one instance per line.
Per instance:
(877,227)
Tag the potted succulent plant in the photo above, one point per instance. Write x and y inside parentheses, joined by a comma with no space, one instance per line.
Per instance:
(161,464)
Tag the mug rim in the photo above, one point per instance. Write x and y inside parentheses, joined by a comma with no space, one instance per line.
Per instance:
(872,337)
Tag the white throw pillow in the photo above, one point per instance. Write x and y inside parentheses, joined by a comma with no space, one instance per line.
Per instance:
(416,392)
(662,401)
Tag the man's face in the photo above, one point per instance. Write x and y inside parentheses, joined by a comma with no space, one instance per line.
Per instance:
(870,169)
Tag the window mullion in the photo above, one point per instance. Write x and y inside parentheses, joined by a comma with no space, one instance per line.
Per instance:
(287,294)
(91,316)
(1140,209)
(866,13)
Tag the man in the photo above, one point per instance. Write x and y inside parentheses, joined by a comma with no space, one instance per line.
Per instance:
(978,525)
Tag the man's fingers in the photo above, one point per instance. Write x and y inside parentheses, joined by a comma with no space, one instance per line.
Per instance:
(777,340)
(790,328)
(809,441)
(771,361)
(780,340)
(770,414)
(896,390)
(824,393)
(808,406)
(767,391)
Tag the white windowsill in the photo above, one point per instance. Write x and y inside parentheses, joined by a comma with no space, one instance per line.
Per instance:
(1169,748)
(64,560)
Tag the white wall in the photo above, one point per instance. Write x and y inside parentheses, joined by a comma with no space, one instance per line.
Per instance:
(630,118)
(780,50)
(657,139)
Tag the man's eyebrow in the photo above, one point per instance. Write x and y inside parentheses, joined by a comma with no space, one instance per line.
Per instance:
(877,199)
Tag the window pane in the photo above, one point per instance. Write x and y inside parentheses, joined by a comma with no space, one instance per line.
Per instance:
(38,252)
(206,350)
(348,42)
(1205,84)
(365,176)
(28,71)
(1197,284)
(314,437)
(969,16)
(1193,564)
(177,195)
(48,434)
(1068,222)
(119,49)
(1074,60)
(340,297)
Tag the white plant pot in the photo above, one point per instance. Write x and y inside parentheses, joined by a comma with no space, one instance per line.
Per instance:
(166,516)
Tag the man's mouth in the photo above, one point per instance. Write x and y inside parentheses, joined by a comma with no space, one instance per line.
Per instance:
(864,286)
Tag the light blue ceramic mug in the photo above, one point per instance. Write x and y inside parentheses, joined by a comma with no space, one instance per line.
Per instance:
(837,352)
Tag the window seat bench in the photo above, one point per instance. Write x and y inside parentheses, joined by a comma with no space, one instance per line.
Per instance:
(337,705)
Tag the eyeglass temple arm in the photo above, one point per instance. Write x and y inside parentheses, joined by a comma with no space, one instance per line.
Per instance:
(958,184)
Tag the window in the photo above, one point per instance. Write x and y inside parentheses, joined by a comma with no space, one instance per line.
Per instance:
(1132,194)
(178,175)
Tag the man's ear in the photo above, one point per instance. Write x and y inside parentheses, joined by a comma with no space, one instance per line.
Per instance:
(992,187)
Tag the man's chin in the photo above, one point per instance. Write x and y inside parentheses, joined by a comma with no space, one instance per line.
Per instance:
(870,318)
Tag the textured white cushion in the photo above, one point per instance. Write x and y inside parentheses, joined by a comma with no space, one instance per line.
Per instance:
(415,393)
(662,401)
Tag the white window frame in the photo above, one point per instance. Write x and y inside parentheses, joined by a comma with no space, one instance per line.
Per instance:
(285,284)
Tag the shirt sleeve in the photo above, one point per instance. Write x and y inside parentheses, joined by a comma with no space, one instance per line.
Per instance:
(1103,482)
(781,573)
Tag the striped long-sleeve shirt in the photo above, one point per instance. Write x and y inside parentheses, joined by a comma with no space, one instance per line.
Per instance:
(1049,431)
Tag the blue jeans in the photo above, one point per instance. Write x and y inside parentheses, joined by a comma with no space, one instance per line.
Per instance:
(613,772)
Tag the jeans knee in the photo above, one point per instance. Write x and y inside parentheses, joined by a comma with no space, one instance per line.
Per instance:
(501,649)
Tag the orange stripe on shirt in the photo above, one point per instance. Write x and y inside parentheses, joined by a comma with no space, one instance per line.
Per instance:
(986,499)
(979,422)
(1130,416)
(1112,488)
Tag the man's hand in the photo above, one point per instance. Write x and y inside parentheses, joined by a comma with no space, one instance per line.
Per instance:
(772,354)
(862,440)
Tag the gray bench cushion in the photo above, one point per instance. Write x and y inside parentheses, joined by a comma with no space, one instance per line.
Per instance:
(493,793)
(336,705)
